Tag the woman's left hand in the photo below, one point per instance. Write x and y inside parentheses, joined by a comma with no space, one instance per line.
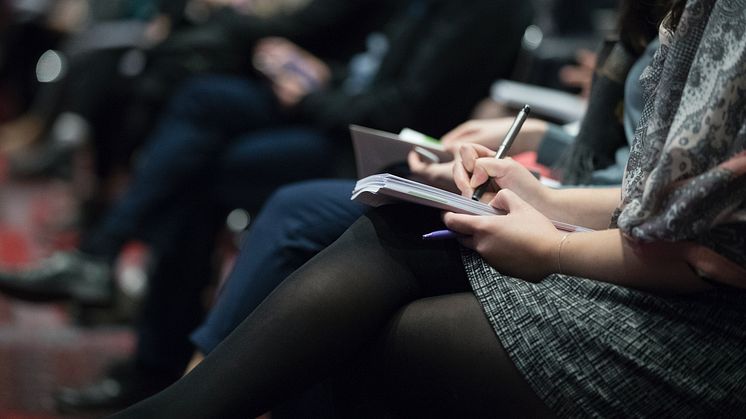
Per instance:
(523,243)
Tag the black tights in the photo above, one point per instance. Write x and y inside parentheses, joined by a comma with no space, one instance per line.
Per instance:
(378,294)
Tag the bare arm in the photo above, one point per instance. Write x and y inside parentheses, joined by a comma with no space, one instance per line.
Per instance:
(589,207)
(525,244)
(607,256)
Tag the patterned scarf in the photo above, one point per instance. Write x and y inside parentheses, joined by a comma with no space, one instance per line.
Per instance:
(686,177)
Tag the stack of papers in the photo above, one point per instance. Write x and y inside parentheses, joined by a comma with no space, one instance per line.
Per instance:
(377,190)
(385,188)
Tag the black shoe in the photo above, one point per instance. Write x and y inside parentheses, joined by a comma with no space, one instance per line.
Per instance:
(64,276)
(123,386)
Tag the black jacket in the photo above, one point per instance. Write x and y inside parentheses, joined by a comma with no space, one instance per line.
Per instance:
(443,56)
(330,29)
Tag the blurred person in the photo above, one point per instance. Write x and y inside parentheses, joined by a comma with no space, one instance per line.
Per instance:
(642,317)
(85,63)
(117,74)
(227,142)
(29,29)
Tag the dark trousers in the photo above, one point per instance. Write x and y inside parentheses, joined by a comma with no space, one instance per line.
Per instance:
(295,224)
(222,143)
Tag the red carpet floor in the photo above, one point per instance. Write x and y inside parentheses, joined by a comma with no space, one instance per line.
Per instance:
(41,348)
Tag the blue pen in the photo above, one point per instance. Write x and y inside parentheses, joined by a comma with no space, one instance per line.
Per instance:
(441,235)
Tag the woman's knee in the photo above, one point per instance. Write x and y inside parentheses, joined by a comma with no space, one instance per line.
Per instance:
(441,354)
(434,331)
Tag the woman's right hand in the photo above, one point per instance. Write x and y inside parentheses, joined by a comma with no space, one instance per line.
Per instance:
(475,164)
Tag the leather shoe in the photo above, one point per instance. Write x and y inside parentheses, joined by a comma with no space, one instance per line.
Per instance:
(124,385)
(63,276)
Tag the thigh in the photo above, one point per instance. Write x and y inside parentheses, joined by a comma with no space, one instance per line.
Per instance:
(257,163)
(305,217)
(441,358)
(297,222)
(232,105)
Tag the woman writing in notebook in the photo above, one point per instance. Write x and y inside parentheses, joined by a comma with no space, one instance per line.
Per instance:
(643,317)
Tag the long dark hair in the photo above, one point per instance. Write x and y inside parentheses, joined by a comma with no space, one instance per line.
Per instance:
(677,9)
(639,21)
(601,132)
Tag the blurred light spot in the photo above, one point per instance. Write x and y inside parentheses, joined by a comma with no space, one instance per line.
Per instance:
(132,63)
(70,129)
(133,281)
(50,67)
(532,37)
(238,220)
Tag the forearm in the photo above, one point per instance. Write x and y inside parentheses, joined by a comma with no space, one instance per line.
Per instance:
(587,207)
(608,257)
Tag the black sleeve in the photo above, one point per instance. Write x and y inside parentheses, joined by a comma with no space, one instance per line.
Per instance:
(431,80)
(312,27)
(173,8)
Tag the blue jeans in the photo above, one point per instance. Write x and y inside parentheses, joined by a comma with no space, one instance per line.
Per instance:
(223,142)
(296,223)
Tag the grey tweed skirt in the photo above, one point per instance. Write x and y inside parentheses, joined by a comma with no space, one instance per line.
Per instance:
(594,349)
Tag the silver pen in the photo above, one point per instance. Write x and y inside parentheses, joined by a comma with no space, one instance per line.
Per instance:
(505,146)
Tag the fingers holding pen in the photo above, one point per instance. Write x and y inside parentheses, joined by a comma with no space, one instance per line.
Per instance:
(462,223)
(470,153)
(464,165)
(488,167)
(462,179)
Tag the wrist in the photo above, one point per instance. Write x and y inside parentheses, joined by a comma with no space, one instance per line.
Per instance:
(547,202)
(559,268)
(550,257)
(545,259)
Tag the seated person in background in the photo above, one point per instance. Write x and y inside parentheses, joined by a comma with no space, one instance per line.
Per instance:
(27,29)
(110,96)
(228,142)
(97,33)
(300,220)
(643,317)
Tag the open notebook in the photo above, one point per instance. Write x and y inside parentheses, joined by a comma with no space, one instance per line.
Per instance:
(385,188)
